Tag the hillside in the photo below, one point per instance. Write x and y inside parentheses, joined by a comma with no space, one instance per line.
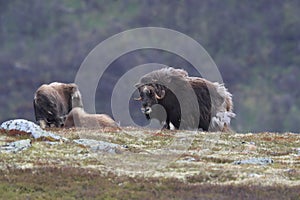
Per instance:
(255,45)
(152,164)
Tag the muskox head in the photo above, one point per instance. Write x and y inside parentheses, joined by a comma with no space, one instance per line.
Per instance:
(150,95)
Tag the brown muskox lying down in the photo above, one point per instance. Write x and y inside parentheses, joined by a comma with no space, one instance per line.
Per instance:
(52,102)
(79,118)
(188,102)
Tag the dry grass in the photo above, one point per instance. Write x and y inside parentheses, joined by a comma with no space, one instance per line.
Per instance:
(156,165)
(77,183)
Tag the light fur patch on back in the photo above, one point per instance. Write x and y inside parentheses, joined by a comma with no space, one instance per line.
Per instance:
(55,84)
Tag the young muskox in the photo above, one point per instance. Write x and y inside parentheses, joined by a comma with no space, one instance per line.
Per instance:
(188,102)
(79,118)
(54,101)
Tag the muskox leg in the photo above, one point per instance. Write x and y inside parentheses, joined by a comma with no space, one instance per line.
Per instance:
(204,125)
(42,123)
(227,129)
(166,125)
(76,99)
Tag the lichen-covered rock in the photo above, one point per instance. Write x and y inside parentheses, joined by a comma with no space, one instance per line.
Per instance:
(22,126)
(101,146)
(14,147)
(254,161)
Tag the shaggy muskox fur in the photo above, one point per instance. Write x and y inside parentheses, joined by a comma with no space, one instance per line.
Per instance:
(52,102)
(188,102)
(79,118)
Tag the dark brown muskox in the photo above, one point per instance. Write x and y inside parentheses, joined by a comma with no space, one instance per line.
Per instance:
(79,118)
(52,102)
(188,102)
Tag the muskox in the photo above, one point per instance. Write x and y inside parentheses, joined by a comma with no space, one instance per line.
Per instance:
(79,118)
(185,102)
(52,102)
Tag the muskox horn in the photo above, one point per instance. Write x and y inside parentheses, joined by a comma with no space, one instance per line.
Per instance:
(162,95)
(137,85)
(138,99)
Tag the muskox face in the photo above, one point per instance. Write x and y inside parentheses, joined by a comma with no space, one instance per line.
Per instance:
(149,96)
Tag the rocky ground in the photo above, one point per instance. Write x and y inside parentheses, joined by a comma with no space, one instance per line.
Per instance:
(148,164)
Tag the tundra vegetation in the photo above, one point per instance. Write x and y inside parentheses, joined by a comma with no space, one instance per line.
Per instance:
(152,165)
(255,45)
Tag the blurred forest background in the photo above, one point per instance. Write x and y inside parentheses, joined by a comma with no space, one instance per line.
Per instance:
(255,44)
